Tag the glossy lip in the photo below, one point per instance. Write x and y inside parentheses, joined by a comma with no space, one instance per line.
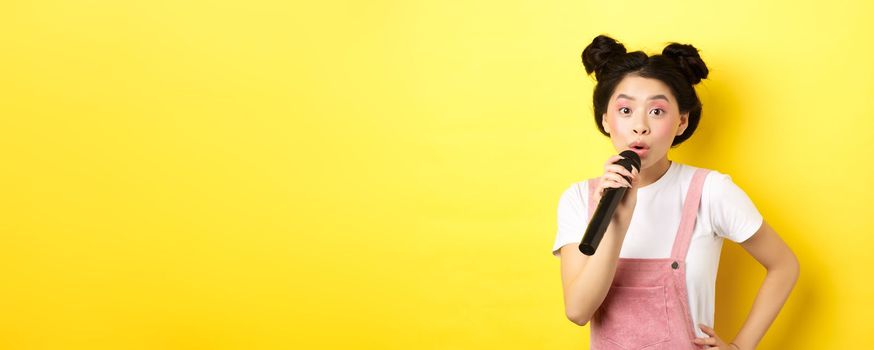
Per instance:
(638,143)
(640,152)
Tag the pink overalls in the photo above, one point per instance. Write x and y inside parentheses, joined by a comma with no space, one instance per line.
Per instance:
(647,305)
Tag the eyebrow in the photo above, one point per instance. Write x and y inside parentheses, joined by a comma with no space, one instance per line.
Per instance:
(656,97)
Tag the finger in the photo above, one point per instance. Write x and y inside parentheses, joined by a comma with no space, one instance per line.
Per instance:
(608,185)
(618,179)
(615,180)
(709,331)
(609,179)
(705,341)
(605,184)
(615,168)
(613,159)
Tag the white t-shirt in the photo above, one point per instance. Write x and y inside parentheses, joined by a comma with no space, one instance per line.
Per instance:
(725,212)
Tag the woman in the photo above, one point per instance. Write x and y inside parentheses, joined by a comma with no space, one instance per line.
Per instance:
(651,283)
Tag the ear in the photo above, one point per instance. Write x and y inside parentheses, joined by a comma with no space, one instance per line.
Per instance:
(604,123)
(684,123)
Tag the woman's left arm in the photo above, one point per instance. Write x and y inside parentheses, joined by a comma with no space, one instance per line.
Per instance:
(768,249)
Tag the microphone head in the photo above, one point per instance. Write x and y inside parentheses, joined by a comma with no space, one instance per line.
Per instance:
(631,158)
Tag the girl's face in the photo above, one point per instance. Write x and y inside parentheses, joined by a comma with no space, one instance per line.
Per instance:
(643,116)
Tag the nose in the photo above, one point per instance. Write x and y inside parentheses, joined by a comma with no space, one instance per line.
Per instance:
(641,127)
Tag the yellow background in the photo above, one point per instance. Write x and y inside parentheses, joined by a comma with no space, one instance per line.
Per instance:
(385,174)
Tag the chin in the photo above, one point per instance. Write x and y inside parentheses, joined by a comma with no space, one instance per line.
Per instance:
(647,162)
(644,163)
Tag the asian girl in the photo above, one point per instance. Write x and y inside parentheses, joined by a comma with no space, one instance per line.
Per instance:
(651,283)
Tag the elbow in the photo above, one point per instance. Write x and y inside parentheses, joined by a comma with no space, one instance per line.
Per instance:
(796,269)
(793,268)
(577,318)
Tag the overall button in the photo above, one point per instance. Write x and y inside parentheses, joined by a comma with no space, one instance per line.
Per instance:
(675,265)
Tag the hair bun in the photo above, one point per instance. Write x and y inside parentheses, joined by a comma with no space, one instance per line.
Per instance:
(599,52)
(690,62)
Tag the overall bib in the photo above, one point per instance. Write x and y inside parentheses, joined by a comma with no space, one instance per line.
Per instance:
(647,305)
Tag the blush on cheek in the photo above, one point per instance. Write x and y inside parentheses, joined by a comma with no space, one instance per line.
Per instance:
(612,123)
(664,132)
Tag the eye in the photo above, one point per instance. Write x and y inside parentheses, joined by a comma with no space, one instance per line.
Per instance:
(624,110)
(657,112)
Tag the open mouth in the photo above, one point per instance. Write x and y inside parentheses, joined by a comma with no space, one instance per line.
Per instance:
(640,150)
(638,145)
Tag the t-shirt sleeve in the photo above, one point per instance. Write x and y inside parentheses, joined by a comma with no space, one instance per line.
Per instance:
(732,212)
(572,216)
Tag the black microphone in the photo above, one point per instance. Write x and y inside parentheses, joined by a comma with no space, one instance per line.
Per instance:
(604,213)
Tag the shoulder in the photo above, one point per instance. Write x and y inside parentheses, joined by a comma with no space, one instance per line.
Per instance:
(727,207)
(575,193)
(717,183)
(717,186)
(713,181)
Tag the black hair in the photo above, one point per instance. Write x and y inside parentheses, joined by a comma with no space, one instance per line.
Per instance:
(678,66)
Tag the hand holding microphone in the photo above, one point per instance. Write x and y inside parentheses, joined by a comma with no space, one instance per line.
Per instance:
(614,184)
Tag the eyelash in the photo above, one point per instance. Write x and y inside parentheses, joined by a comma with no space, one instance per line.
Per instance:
(661,111)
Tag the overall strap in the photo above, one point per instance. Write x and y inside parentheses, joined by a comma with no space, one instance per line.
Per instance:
(690,214)
(593,184)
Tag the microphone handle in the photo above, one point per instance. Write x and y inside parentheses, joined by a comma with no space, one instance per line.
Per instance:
(601,219)
(609,201)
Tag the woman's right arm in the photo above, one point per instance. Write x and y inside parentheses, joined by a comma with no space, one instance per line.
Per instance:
(587,279)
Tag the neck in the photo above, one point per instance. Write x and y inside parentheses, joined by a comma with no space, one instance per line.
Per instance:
(653,172)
